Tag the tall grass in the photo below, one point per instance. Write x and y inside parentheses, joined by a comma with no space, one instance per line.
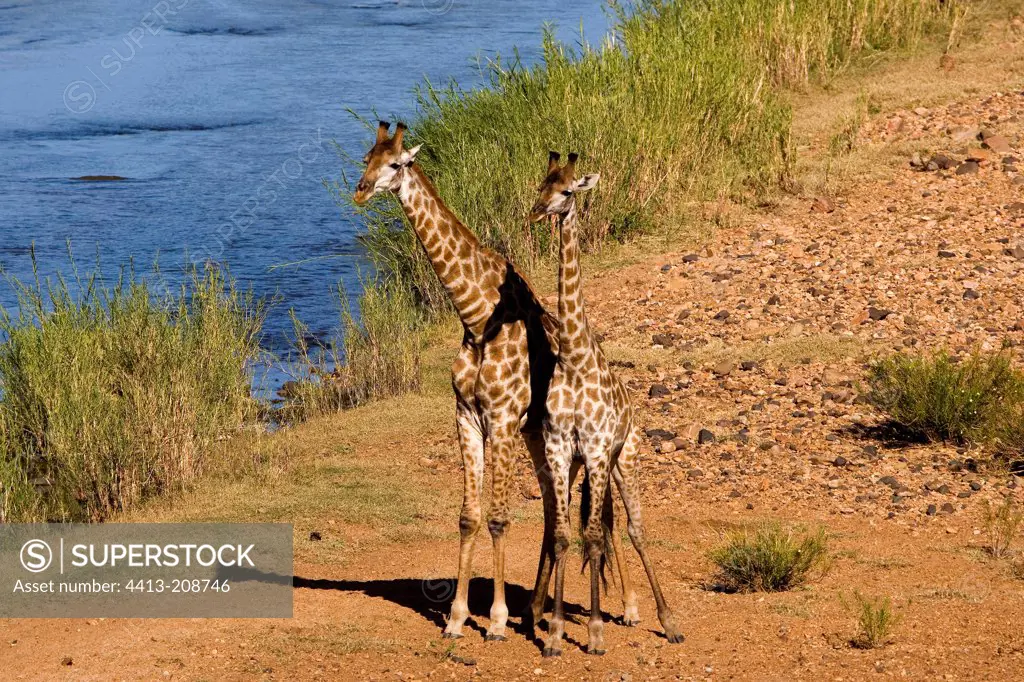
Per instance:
(685,101)
(375,355)
(110,394)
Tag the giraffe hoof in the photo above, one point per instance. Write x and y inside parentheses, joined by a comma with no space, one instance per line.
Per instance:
(450,635)
(551,653)
(496,638)
(630,623)
(675,637)
(596,652)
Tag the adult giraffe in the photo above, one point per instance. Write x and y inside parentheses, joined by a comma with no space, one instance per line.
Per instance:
(501,374)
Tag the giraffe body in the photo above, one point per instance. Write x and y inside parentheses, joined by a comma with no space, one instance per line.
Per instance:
(503,367)
(589,423)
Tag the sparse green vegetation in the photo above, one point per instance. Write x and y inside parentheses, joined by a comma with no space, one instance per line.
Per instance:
(876,621)
(769,558)
(375,356)
(111,394)
(1001,525)
(942,398)
(686,102)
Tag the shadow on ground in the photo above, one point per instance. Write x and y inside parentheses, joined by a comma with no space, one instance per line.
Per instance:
(431,598)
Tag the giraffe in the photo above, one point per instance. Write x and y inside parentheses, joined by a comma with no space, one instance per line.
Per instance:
(589,422)
(503,367)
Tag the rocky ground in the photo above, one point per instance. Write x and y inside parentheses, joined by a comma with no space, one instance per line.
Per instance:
(758,343)
(745,358)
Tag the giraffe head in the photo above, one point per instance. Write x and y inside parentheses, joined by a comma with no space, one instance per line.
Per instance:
(386,163)
(555,194)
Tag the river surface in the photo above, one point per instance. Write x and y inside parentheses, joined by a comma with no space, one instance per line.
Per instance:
(220,117)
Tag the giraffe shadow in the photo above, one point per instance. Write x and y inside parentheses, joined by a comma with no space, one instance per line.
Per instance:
(431,599)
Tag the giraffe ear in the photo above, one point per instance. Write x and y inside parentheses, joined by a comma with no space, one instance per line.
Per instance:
(553,158)
(382,130)
(586,182)
(409,155)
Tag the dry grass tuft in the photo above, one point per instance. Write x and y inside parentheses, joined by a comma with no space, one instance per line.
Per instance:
(876,621)
(1001,525)
(769,558)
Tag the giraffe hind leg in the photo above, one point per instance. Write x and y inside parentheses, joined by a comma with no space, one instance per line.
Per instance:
(625,475)
(471,442)
(631,611)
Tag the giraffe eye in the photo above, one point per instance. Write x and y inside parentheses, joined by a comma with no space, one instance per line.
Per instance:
(566,193)
(396,166)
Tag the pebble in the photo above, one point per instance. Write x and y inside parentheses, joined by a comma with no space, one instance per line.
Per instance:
(658,391)
(705,437)
(967,168)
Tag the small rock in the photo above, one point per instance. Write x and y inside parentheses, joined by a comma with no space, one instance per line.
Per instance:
(823,205)
(839,461)
(932,510)
(947,508)
(975,486)
(998,144)
(315,536)
(722,315)
(67,661)
(691,258)
(748,365)
(971,295)
(967,168)
(705,437)
(724,368)
(662,340)
(667,447)
(890,481)
(694,474)
(878,314)
(943,253)
(660,433)
(658,391)
(774,300)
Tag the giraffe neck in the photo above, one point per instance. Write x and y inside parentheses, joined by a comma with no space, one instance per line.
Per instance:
(572,318)
(453,250)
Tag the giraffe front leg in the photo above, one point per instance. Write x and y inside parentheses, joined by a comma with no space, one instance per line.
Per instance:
(471,442)
(558,455)
(502,462)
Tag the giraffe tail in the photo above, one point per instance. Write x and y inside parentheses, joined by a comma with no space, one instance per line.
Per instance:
(585,502)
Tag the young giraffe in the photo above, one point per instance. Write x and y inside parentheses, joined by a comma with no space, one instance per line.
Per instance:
(590,417)
(500,376)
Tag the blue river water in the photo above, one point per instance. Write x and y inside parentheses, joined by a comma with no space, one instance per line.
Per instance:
(221,116)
